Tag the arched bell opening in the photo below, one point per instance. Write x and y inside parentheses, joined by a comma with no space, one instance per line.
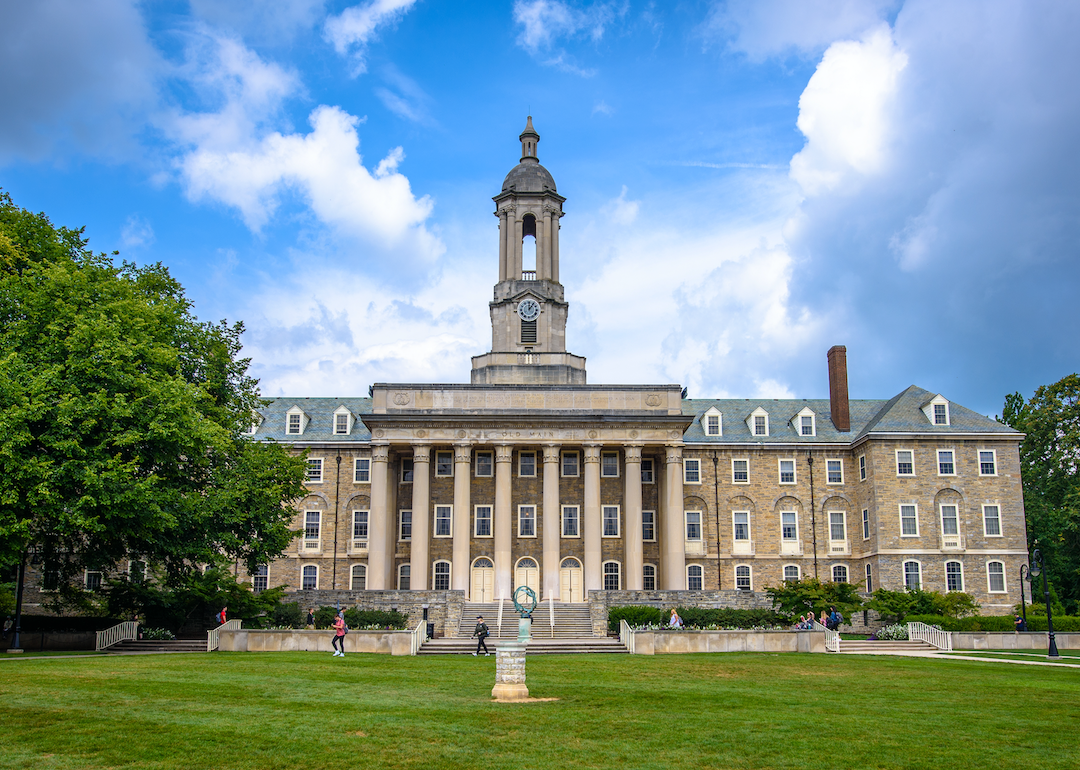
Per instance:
(528,247)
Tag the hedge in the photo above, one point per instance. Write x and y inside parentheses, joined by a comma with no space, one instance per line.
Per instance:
(996,623)
(694,617)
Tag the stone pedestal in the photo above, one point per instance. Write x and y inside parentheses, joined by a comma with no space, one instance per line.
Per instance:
(510,673)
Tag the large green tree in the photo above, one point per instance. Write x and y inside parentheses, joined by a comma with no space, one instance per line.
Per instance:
(122,417)
(1050,463)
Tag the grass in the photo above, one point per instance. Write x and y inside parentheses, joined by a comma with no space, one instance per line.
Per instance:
(1066,656)
(289,710)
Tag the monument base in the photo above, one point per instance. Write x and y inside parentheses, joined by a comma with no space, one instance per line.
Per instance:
(510,673)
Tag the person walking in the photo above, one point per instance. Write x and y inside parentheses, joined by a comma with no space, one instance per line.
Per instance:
(340,629)
(481,633)
(310,622)
(221,616)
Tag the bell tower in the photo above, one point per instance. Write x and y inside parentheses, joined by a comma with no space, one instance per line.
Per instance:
(528,314)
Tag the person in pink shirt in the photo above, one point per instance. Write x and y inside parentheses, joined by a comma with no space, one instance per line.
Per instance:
(339,635)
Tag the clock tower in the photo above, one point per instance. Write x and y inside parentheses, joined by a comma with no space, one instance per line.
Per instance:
(528,313)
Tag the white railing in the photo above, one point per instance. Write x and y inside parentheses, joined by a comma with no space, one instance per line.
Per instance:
(499,624)
(551,614)
(212,636)
(626,635)
(920,632)
(418,637)
(832,638)
(127,630)
(528,275)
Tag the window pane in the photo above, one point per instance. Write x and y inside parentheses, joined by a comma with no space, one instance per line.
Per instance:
(742,578)
(739,471)
(904,463)
(483,521)
(310,580)
(359,577)
(611,576)
(611,521)
(693,577)
(311,525)
(742,525)
(837,528)
(570,464)
(483,463)
(869,579)
(759,425)
(650,577)
(992,520)
(949,524)
(648,525)
(787,471)
(839,574)
(444,464)
(261,579)
(570,521)
(693,525)
(442,520)
(791,572)
(646,471)
(862,468)
(953,576)
(404,577)
(406,470)
(527,464)
(314,470)
(360,525)
(866,523)
(807,425)
(692,471)
(986,463)
(911,574)
(996,571)
(406,525)
(526,521)
(835,471)
(609,464)
(909,523)
(362,474)
(788,525)
(442,576)
(946,467)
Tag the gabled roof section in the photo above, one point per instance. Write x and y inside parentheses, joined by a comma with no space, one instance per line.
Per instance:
(320,413)
(904,414)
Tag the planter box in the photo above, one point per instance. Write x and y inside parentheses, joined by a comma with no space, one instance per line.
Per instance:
(257,640)
(676,642)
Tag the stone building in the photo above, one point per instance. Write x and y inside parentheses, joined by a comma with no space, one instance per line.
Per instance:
(529,476)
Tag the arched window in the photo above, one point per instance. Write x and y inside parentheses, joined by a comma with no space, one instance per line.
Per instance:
(839,573)
(570,563)
(649,574)
(611,576)
(694,577)
(359,577)
(527,563)
(528,248)
(954,576)
(441,576)
(742,578)
(310,578)
(791,572)
(912,575)
(404,577)
(483,563)
(995,576)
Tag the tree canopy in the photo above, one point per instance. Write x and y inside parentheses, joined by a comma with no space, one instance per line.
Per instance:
(122,416)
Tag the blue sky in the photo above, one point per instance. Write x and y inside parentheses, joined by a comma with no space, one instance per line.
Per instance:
(747,183)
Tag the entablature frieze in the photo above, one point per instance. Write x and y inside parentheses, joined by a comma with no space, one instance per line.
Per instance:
(451,433)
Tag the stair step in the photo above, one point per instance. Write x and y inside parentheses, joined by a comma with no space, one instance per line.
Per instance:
(162,645)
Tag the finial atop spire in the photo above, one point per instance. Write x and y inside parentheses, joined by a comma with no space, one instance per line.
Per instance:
(529,139)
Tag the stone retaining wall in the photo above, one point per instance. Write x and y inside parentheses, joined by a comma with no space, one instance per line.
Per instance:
(676,642)
(1010,640)
(257,640)
(444,607)
(38,641)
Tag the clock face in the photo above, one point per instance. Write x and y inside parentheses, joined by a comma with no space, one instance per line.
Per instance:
(528,310)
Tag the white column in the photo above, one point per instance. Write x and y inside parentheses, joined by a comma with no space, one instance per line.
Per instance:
(591,531)
(552,523)
(378,524)
(421,502)
(459,566)
(635,576)
(503,521)
(674,549)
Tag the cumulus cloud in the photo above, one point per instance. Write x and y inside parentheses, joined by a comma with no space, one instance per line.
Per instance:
(546,24)
(353,29)
(77,75)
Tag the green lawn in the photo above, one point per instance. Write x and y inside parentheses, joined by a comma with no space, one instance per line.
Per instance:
(1065,656)
(309,710)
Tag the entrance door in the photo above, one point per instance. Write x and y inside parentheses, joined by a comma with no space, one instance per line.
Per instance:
(528,574)
(483,581)
(570,581)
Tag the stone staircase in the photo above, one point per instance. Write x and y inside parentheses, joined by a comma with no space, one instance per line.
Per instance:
(881,647)
(162,645)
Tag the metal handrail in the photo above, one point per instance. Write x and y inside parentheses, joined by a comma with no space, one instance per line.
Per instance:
(417,637)
(921,632)
(212,635)
(626,636)
(832,638)
(122,632)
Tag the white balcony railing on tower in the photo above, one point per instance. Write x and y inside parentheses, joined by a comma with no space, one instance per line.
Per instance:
(528,275)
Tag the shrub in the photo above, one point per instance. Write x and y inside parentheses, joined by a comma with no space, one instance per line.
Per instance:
(373,619)
(156,633)
(637,616)
(693,617)
(794,597)
(288,616)
(895,632)
(999,623)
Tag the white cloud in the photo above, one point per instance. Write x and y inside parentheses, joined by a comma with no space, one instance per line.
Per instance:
(351,30)
(136,232)
(546,24)
(269,21)
(764,28)
(404,97)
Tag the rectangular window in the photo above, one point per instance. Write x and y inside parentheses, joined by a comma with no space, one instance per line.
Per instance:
(648,525)
(949,523)
(362,470)
(905,462)
(360,526)
(693,525)
(741,521)
(862,467)
(484,464)
(406,470)
(647,472)
(92,580)
(569,464)
(909,521)
(483,521)
(405,525)
(649,572)
(740,471)
(611,521)
(941,416)
(314,470)
(834,471)
(260,581)
(294,425)
(311,529)
(789,525)
(865,523)
(954,576)
(341,424)
(526,521)
(806,423)
(611,576)
(869,580)
(995,572)
(991,520)
(310,579)
(444,463)
(136,571)
(692,471)
(945,464)
(760,427)
(443,516)
(526,463)
(442,576)
(987,462)
(712,425)
(787,471)
(837,526)
(570,521)
(609,465)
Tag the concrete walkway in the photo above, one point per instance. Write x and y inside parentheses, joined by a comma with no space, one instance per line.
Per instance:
(953,656)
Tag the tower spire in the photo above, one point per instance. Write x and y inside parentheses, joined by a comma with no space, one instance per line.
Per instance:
(529,139)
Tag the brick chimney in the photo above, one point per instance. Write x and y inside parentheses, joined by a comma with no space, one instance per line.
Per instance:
(838,393)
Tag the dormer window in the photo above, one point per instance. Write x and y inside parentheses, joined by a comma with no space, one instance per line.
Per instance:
(937,410)
(758,422)
(805,422)
(343,421)
(712,422)
(295,422)
(256,421)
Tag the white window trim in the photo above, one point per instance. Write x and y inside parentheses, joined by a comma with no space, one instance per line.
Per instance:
(868,577)
(743,460)
(862,468)
(900,511)
(353,548)
(828,520)
(535,522)
(618,468)
(686,468)
(978,458)
(603,574)
(897,466)
(401,476)
(653,538)
(780,470)
(937,454)
(941,519)
(618,521)
(712,411)
(928,410)
(526,475)
(449,572)
(847,569)
(796,538)
(1001,529)
(1004,577)
(348,422)
(652,469)
(476,463)
(866,530)
(783,572)
(796,422)
(401,567)
(352,576)
(577,465)
(307,470)
(256,423)
(945,572)
(401,525)
(476,521)
(702,578)
(356,470)
(654,575)
(435,521)
(749,531)
(562,522)
(903,572)
(448,454)
(317,576)
(86,579)
(317,547)
(701,526)
(735,575)
(834,460)
(304,420)
(759,412)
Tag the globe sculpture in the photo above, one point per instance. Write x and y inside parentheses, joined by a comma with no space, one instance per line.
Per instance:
(525,602)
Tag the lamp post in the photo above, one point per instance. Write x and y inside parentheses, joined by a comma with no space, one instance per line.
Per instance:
(1025,574)
(1035,570)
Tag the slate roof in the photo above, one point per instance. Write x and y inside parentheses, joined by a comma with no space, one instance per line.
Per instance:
(320,412)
